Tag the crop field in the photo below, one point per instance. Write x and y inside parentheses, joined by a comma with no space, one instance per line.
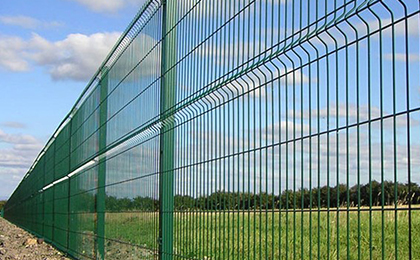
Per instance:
(276,235)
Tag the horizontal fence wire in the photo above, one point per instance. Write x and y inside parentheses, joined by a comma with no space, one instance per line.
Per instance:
(240,129)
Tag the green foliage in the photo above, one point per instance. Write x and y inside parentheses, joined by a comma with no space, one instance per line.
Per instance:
(2,203)
(114,204)
(324,197)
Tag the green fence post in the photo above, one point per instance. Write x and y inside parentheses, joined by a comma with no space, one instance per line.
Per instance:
(53,195)
(43,197)
(69,189)
(168,88)
(100,197)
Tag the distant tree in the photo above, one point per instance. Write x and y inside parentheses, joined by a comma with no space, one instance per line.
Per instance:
(112,204)
(144,204)
(2,203)
(372,193)
(184,202)
(415,193)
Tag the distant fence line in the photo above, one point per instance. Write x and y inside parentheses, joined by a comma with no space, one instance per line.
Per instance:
(297,122)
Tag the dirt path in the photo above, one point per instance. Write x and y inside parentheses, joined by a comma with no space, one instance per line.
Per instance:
(17,244)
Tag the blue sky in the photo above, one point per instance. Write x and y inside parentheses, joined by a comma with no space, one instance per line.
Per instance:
(48,52)
(48,56)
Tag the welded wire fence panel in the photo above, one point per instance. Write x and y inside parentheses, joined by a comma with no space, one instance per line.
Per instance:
(241,130)
(295,130)
(93,191)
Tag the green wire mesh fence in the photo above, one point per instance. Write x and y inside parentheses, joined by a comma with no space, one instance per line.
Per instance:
(239,129)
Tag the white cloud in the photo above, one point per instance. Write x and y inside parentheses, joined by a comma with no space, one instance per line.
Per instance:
(332,112)
(17,153)
(9,179)
(412,57)
(16,138)
(76,57)
(412,28)
(206,9)
(363,158)
(336,36)
(202,9)
(287,78)
(13,124)
(257,83)
(352,113)
(10,54)
(27,22)
(283,128)
(107,6)
(399,28)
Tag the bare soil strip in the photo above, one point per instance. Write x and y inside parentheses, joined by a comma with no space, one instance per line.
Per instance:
(17,244)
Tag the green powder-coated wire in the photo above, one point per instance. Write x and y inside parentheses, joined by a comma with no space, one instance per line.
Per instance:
(240,129)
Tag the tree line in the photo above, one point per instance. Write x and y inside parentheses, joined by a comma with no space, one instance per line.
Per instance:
(2,203)
(338,196)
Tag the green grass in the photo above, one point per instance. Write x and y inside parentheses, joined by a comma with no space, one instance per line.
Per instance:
(274,235)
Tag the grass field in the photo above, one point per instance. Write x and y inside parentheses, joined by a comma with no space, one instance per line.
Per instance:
(274,235)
